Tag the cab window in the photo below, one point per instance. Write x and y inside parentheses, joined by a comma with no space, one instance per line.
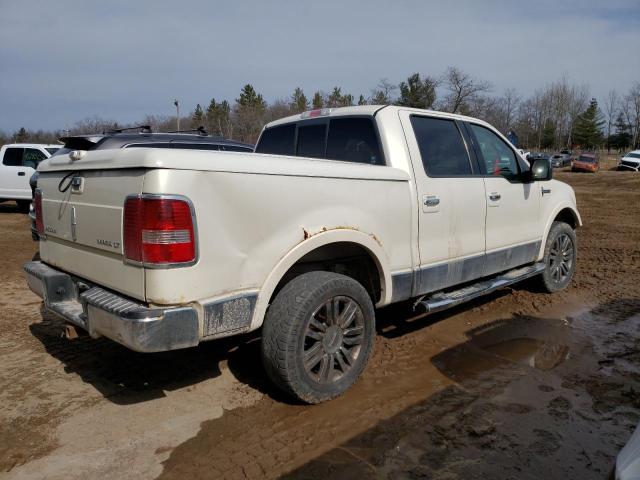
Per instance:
(496,157)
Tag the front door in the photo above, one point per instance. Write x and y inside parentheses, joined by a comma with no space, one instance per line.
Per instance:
(513,233)
(14,181)
(452,206)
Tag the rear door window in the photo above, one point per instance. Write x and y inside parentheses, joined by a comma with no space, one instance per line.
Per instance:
(441,147)
(278,140)
(13,157)
(354,139)
(311,140)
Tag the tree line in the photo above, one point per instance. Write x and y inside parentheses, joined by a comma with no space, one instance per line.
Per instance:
(559,115)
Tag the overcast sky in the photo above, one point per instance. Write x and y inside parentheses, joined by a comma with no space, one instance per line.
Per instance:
(65,60)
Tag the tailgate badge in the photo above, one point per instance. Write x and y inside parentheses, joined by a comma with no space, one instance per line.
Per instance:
(74,222)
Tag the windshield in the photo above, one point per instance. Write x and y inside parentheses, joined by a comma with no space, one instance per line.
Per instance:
(632,155)
(586,159)
(52,150)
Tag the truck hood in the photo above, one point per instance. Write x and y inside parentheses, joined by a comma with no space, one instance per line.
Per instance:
(213,161)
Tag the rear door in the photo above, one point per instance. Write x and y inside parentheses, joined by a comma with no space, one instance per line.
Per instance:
(513,232)
(452,209)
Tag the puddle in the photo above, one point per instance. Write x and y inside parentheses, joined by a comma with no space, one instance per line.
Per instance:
(539,354)
(523,341)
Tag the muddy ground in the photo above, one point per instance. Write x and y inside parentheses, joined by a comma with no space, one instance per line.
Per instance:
(516,385)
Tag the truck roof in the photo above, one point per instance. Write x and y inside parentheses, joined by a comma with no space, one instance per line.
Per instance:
(32,145)
(364,110)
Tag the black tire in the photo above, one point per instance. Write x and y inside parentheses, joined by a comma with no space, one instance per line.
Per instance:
(560,254)
(294,331)
(23,205)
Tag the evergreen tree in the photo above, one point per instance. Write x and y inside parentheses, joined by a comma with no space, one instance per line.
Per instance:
(249,114)
(212,110)
(250,98)
(218,118)
(335,98)
(197,117)
(417,93)
(21,136)
(299,102)
(621,140)
(318,100)
(362,100)
(548,135)
(587,131)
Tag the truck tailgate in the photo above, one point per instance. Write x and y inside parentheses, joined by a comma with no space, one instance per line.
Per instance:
(83,226)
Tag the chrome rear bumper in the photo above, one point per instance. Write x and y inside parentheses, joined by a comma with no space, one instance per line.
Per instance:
(102,312)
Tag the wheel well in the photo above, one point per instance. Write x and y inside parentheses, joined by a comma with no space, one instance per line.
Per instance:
(567,216)
(346,258)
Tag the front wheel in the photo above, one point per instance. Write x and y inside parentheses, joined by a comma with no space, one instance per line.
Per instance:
(318,335)
(560,254)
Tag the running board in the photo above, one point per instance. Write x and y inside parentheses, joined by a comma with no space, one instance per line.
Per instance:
(442,301)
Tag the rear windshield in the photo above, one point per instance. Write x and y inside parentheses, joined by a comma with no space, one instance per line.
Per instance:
(349,139)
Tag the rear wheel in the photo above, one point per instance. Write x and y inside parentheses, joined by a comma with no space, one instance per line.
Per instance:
(560,255)
(318,335)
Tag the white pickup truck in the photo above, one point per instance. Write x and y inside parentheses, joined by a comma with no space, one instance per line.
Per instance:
(337,213)
(19,162)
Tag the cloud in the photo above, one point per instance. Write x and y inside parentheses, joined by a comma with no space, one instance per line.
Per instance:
(66,60)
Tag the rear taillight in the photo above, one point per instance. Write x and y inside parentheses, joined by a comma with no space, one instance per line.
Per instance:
(159,230)
(37,207)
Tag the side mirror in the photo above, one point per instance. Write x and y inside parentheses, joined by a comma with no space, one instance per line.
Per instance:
(541,170)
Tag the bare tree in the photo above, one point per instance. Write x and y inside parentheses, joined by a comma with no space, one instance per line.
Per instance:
(578,101)
(384,93)
(462,87)
(630,110)
(610,110)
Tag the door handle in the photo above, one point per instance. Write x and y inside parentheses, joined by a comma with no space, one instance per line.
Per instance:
(431,201)
(494,196)
(21,174)
(545,190)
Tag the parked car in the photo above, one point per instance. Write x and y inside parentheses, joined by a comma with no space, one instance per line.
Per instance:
(19,161)
(631,161)
(561,160)
(339,211)
(586,162)
(538,156)
(628,460)
(197,139)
